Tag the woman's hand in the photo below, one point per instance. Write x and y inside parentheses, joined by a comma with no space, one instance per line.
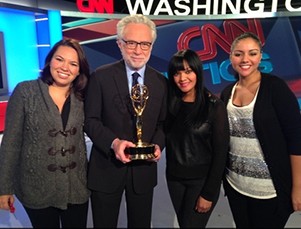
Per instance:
(203,205)
(6,201)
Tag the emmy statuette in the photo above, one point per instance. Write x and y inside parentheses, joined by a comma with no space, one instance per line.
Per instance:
(142,150)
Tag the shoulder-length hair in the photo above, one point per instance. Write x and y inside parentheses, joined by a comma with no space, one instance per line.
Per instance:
(80,82)
(176,64)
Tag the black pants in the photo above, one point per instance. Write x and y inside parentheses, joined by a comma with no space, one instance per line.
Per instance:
(75,216)
(105,206)
(254,213)
(184,195)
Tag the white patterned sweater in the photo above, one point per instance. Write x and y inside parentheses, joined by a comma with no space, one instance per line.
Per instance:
(247,171)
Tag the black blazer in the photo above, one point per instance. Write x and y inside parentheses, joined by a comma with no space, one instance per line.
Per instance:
(109,114)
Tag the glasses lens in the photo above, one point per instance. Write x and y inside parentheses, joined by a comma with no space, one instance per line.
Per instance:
(131,44)
(145,45)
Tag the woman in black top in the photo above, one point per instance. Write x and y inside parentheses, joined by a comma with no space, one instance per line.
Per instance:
(197,141)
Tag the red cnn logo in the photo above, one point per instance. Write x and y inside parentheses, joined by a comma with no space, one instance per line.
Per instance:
(213,36)
(99,6)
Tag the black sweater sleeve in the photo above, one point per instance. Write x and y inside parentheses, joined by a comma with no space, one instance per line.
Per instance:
(220,143)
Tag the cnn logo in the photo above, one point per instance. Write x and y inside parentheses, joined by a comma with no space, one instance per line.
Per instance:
(100,6)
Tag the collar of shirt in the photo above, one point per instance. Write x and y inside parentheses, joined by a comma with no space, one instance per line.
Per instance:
(129,73)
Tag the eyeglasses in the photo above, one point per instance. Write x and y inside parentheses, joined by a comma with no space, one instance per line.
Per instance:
(133,44)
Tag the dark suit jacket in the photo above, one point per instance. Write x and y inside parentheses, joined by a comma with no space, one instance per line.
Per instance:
(109,114)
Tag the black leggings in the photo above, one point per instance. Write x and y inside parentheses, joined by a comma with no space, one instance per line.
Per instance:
(254,213)
(184,195)
(75,216)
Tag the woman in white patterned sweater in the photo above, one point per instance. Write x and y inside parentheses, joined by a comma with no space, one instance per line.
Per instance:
(263,174)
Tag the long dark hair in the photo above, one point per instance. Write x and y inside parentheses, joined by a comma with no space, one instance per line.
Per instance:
(176,63)
(80,82)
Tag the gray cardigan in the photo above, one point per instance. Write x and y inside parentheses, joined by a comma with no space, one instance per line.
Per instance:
(43,165)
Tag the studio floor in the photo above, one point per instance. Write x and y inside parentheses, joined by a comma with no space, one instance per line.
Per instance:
(163,213)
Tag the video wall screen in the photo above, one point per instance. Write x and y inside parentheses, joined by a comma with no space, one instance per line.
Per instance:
(281,38)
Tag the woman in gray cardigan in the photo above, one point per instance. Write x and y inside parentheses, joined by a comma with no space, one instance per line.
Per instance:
(43,158)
